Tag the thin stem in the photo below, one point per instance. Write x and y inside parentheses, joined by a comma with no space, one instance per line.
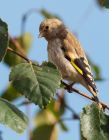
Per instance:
(85,95)
(91,98)
(75,115)
(18,46)
(24,21)
(21,55)
(25,58)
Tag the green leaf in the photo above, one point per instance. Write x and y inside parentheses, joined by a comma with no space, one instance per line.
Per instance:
(94,123)
(10,93)
(37,83)
(47,14)
(45,132)
(103,3)
(3,39)
(12,59)
(11,116)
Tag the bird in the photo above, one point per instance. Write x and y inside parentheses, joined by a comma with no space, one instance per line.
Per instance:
(67,54)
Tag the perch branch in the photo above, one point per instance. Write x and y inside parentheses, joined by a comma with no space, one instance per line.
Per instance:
(66,85)
(84,95)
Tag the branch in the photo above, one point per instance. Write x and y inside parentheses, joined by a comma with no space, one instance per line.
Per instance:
(25,17)
(75,115)
(84,95)
(18,46)
(24,57)
(21,55)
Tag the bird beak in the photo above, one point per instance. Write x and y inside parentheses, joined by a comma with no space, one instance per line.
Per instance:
(40,35)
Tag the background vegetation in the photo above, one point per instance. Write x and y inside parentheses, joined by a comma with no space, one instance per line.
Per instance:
(47,122)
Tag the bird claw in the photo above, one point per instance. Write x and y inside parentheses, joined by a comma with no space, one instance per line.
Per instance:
(69,87)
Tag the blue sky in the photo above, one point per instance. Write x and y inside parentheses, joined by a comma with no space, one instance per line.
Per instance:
(82,17)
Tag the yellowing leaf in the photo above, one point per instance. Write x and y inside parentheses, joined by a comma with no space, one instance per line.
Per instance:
(45,132)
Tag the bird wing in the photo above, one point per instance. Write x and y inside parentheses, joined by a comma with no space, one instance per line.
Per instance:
(76,55)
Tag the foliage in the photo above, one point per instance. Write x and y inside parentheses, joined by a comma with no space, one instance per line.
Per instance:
(16,44)
(103,3)
(8,93)
(35,81)
(3,39)
(97,126)
(39,84)
(49,133)
(12,117)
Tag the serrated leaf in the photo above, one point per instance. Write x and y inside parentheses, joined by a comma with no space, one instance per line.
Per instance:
(12,59)
(3,39)
(45,132)
(12,117)
(94,123)
(37,83)
(47,14)
(10,93)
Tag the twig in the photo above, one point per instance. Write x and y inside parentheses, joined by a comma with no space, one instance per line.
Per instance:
(21,55)
(18,46)
(24,57)
(75,115)
(85,95)
(25,16)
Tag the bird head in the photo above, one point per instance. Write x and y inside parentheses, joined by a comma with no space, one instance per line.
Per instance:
(50,28)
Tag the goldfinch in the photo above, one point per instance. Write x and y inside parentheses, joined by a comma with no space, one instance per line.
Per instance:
(65,51)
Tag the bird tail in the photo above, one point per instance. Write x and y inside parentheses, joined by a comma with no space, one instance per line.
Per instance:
(94,93)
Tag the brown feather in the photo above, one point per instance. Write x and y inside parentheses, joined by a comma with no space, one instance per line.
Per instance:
(73,51)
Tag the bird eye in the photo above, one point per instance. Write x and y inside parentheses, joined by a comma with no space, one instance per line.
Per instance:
(47,27)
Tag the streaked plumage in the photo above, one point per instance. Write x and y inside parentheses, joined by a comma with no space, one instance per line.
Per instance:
(65,51)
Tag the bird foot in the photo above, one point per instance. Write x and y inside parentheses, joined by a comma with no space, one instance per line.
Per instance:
(69,87)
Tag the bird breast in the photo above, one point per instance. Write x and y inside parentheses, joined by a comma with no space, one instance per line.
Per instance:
(56,56)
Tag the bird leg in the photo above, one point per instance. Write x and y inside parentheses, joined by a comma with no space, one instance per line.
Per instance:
(68,87)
